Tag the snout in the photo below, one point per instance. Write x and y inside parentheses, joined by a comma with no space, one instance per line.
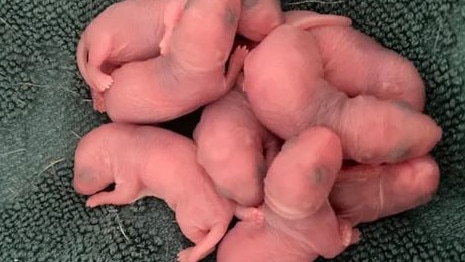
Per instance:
(79,188)
(253,196)
(245,194)
(83,184)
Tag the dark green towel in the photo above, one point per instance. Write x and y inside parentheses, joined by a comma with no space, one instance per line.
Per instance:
(44,108)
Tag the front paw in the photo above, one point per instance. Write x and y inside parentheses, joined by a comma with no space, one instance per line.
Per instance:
(103,82)
(184,255)
(257,216)
(240,54)
(99,199)
(250,214)
(92,202)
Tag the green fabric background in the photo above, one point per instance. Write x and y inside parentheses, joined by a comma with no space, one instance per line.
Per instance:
(44,108)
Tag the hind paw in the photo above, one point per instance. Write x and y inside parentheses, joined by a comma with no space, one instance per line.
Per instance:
(98,101)
(240,53)
(236,62)
(103,82)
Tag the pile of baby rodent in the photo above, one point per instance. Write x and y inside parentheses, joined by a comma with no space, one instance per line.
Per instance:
(309,127)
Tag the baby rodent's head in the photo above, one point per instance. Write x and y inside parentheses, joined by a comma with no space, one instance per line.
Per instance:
(92,166)
(244,188)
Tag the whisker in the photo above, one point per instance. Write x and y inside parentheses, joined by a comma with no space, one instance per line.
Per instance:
(13,152)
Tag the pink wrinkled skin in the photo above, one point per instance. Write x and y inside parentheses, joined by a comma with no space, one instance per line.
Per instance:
(259,18)
(149,161)
(366,193)
(311,85)
(189,72)
(360,194)
(298,222)
(126,31)
(234,148)
(357,64)
(329,91)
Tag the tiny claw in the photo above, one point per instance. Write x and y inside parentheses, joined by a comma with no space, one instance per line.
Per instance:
(243,50)
(93,202)
(89,204)
(240,54)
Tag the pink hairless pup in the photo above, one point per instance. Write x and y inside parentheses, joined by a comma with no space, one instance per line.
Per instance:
(295,79)
(299,223)
(150,161)
(234,148)
(132,30)
(232,144)
(190,71)
(363,193)
(356,64)
(126,31)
